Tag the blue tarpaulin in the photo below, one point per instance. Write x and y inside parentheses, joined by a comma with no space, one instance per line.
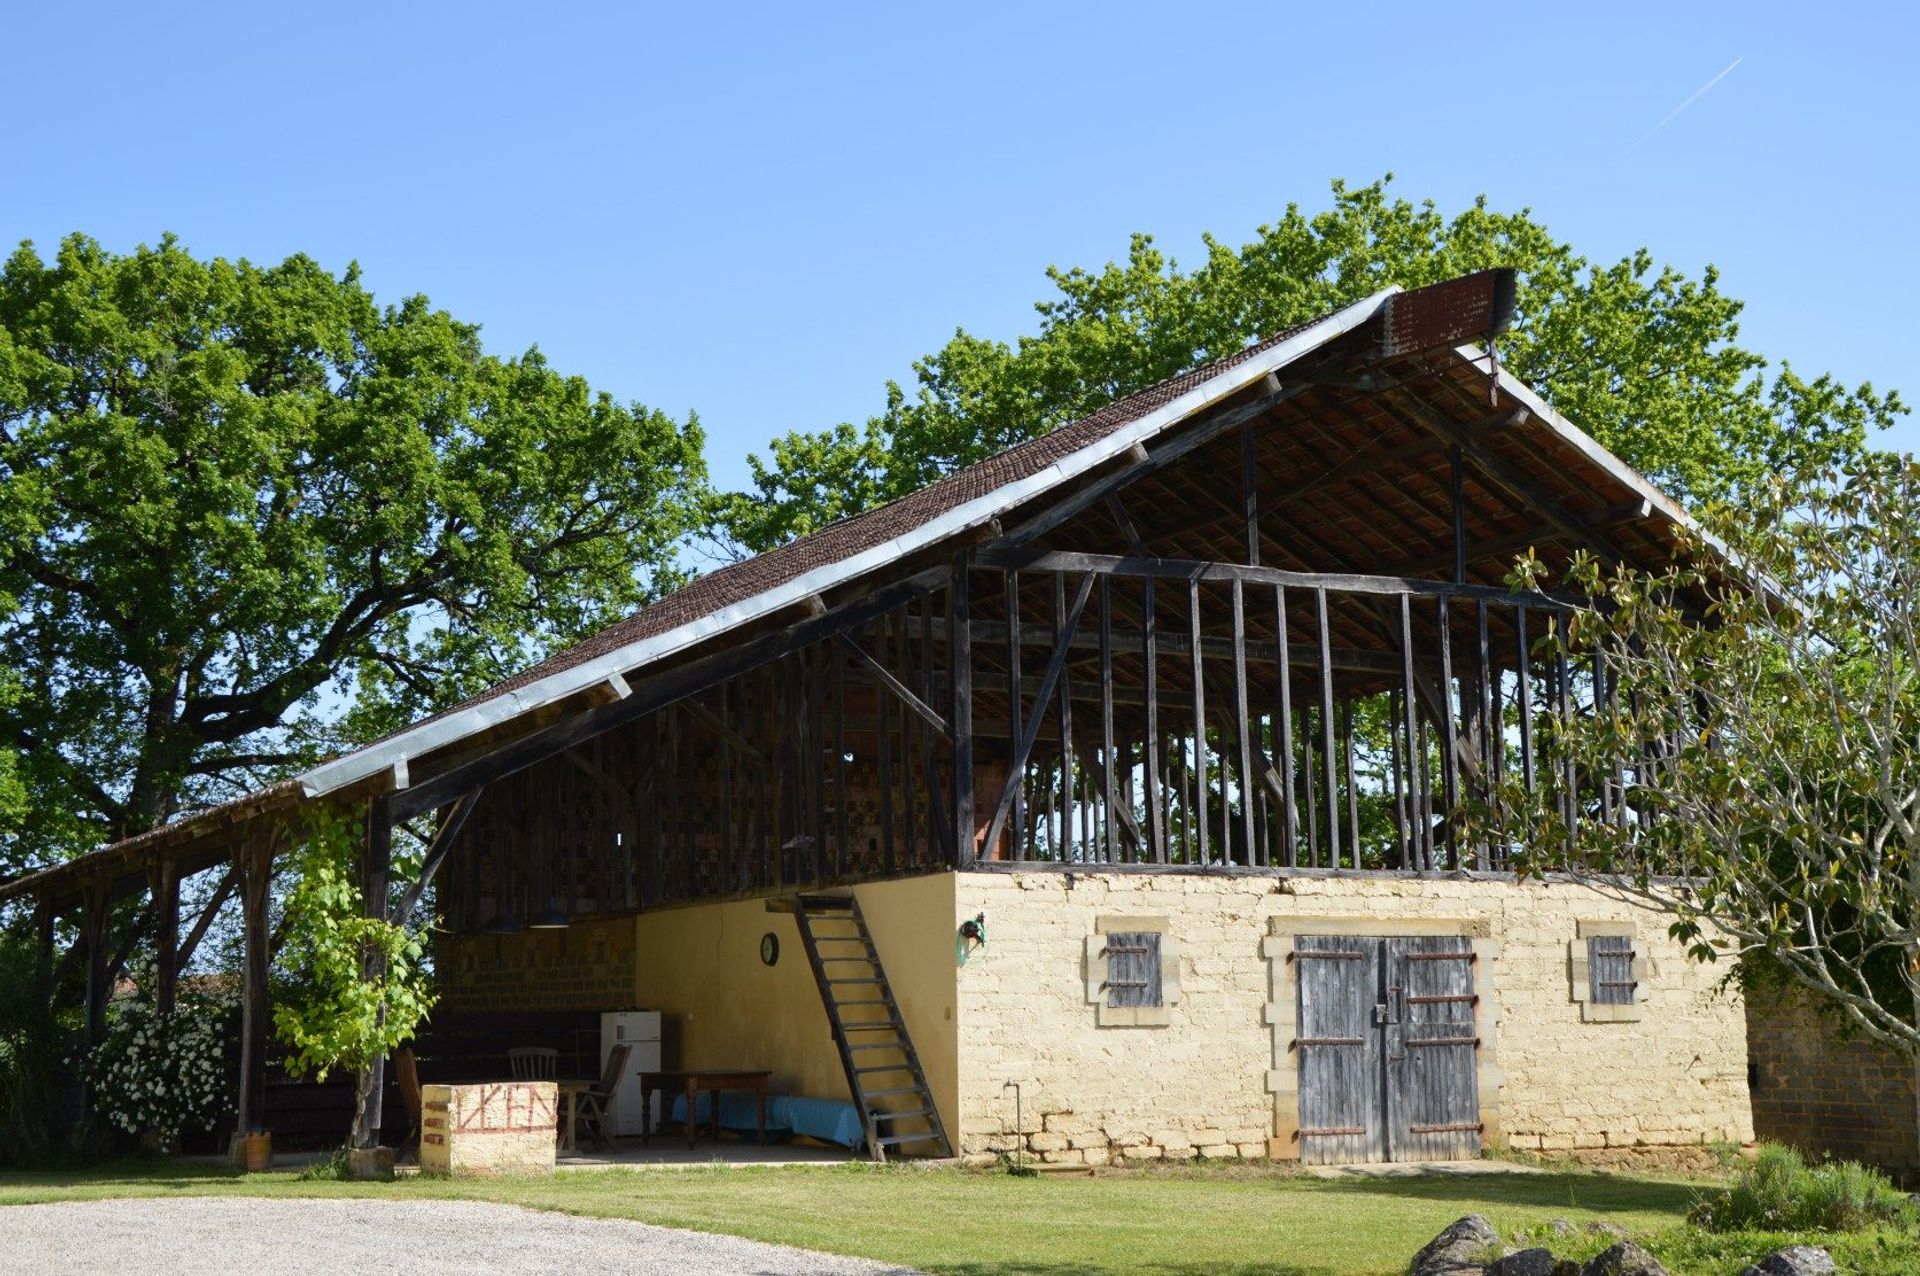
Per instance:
(829,1120)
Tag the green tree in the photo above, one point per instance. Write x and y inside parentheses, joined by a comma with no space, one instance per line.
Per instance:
(1765,736)
(249,515)
(355,987)
(1645,359)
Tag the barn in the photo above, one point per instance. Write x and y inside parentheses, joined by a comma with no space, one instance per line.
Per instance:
(1100,800)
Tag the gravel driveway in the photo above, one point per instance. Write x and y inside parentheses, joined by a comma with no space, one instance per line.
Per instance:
(196,1235)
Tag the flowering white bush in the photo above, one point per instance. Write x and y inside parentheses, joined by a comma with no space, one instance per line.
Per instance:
(161,1077)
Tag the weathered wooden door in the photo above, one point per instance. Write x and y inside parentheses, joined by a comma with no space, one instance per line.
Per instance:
(1386,1049)
(1433,1098)
(1342,1082)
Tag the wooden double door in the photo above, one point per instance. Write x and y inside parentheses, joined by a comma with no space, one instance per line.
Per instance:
(1387,1049)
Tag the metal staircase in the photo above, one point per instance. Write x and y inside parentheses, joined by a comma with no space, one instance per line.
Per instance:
(876,1052)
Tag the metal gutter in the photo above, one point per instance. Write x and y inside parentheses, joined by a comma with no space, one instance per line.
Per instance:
(427,737)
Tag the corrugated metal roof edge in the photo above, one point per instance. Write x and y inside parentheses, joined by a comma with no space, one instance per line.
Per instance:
(396,750)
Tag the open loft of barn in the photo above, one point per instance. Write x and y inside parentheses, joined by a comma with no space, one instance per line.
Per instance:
(1098,800)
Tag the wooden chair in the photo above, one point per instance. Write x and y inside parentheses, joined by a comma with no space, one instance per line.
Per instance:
(595,1104)
(406,1074)
(534,1063)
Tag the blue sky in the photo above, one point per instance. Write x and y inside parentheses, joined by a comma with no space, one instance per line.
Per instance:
(762,214)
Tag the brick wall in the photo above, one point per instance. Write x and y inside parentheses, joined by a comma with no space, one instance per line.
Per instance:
(1660,1088)
(587,966)
(1853,1100)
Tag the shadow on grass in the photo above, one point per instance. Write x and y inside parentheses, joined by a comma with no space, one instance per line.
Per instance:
(1147,1269)
(1582,1193)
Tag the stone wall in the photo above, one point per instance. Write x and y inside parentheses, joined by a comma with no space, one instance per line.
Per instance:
(1853,1100)
(587,966)
(500,1128)
(1650,1089)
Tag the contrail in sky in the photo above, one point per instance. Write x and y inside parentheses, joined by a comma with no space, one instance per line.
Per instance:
(1696,96)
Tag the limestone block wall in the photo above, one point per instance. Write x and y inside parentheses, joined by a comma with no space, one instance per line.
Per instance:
(1675,1078)
(1853,1100)
(500,1128)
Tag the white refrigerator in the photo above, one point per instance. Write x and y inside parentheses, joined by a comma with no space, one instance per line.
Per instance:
(641,1030)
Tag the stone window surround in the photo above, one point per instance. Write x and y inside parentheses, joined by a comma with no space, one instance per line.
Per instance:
(1580,975)
(1096,973)
(1283,1001)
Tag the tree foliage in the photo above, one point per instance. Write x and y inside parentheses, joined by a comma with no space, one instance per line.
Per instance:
(248,514)
(355,987)
(1766,734)
(1644,358)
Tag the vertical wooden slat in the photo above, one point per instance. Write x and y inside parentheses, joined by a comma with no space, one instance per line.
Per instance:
(1289,821)
(1310,774)
(909,786)
(1110,832)
(1150,655)
(1416,804)
(1330,758)
(960,715)
(1248,792)
(1068,809)
(1017,839)
(1401,824)
(939,820)
(884,747)
(840,832)
(1200,767)
(1353,782)
(1449,733)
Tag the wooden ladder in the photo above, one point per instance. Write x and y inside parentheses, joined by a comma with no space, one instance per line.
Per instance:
(875,1050)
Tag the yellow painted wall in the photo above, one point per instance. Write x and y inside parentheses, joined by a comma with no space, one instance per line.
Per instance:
(702,965)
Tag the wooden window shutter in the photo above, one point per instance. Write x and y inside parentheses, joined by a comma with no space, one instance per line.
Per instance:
(1133,969)
(1610,970)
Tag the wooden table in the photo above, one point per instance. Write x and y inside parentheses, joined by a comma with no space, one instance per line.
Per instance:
(693,1083)
(571,1091)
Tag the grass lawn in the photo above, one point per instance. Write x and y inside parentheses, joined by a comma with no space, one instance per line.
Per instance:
(1228,1219)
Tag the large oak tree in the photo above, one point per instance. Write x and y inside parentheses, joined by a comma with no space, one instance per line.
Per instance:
(1646,359)
(249,515)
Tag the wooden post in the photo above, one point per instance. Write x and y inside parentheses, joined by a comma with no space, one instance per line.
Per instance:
(254,860)
(165,878)
(1416,804)
(1249,788)
(98,904)
(1017,848)
(1289,819)
(884,737)
(960,714)
(374,872)
(1150,655)
(1199,721)
(1329,757)
(1449,766)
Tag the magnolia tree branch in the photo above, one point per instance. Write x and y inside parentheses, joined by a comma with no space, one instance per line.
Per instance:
(1768,757)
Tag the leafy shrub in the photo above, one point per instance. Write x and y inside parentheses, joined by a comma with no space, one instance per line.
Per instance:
(1778,1191)
(161,1078)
